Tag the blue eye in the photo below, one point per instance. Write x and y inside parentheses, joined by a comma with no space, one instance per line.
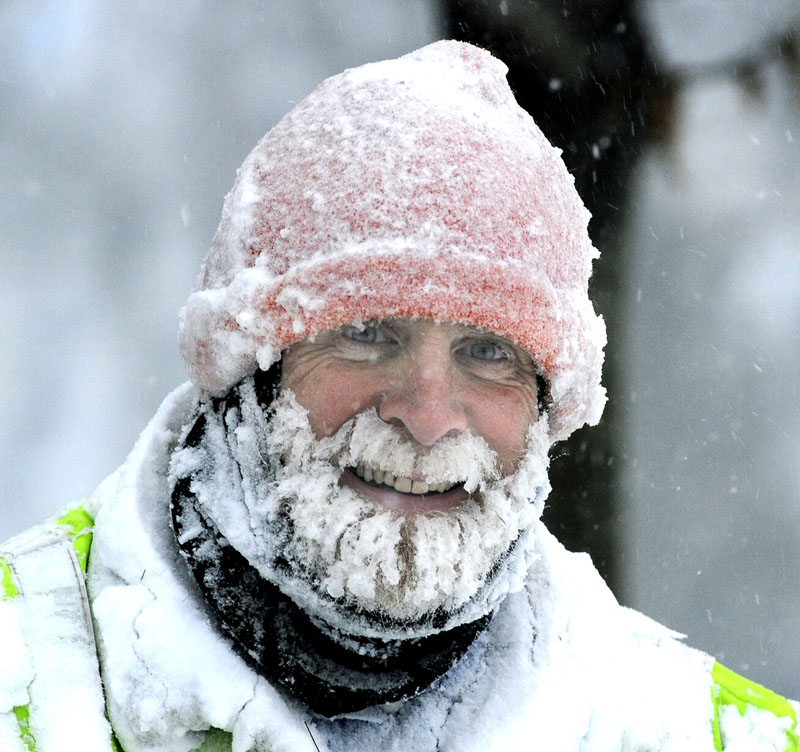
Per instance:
(487,350)
(369,335)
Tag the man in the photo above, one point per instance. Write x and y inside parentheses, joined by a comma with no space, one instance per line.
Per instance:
(330,538)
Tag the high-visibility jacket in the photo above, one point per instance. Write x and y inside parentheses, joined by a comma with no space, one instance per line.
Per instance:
(56,702)
(562,667)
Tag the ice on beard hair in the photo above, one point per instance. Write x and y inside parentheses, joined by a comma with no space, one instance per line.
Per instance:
(377,560)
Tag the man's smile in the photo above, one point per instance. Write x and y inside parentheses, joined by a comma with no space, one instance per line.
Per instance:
(401,493)
(402,484)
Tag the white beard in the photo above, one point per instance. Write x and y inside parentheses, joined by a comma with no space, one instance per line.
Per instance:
(342,557)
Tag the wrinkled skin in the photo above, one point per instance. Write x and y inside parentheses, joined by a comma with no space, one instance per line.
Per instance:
(430,379)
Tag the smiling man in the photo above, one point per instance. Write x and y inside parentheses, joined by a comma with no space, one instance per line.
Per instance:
(330,538)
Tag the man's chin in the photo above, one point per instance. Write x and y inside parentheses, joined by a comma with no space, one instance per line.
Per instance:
(389,498)
(398,614)
(387,619)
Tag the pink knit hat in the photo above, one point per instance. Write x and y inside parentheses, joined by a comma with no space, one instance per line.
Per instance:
(409,187)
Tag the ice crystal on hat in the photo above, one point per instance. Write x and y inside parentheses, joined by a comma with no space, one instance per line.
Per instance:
(409,187)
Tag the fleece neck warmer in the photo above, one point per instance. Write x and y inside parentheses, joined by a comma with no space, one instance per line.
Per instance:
(331,672)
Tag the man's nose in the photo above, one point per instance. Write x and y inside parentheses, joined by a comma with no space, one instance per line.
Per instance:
(425,402)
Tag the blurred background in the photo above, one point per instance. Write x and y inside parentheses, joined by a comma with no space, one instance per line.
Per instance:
(121,128)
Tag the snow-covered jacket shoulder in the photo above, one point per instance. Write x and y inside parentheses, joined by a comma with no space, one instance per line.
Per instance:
(561,667)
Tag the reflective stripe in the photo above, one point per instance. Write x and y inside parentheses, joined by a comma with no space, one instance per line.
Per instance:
(42,572)
(7,578)
(23,715)
(79,525)
(728,689)
(21,712)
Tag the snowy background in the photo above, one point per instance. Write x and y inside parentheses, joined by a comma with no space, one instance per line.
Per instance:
(121,127)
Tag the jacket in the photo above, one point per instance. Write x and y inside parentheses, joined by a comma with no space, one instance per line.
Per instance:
(101,628)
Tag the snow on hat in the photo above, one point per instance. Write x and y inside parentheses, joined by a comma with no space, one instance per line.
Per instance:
(409,187)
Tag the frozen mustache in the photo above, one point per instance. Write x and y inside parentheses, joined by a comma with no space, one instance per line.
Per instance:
(368,440)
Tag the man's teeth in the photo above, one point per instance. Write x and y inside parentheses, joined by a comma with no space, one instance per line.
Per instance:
(401,484)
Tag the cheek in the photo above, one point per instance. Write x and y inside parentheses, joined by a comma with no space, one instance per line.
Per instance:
(504,423)
(332,400)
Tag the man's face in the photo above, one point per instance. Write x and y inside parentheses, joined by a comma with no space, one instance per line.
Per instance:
(449,411)
(430,380)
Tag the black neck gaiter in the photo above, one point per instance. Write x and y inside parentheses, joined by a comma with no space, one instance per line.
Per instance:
(331,672)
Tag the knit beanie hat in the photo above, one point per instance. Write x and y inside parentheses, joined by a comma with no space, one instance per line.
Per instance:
(409,187)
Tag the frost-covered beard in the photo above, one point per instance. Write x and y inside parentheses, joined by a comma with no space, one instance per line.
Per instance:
(356,564)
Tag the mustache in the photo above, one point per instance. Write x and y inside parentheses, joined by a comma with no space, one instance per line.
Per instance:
(369,441)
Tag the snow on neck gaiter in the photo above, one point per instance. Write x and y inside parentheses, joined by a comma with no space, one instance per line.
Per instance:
(272,490)
(332,673)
